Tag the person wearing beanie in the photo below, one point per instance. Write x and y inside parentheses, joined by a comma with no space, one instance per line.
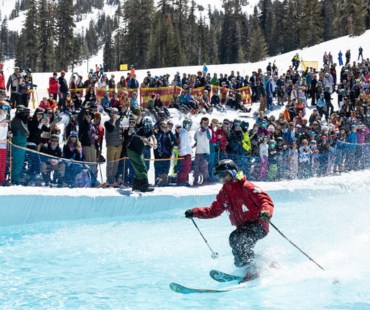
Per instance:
(249,208)
(51,161)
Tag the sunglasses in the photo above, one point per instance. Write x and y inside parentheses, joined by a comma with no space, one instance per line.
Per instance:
(227,124)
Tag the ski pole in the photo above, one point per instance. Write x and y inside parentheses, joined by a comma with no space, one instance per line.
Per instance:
(214,254)
(310,258)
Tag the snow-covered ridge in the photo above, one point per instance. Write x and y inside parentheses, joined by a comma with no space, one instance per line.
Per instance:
(20,205)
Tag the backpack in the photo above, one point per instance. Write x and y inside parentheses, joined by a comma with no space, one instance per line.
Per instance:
(83,179)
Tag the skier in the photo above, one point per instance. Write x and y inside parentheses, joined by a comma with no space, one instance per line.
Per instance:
(249,207)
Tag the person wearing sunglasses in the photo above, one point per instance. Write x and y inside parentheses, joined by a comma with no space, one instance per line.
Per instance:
(249,208)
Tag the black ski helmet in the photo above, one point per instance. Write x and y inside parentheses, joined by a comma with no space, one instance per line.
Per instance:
(226,165)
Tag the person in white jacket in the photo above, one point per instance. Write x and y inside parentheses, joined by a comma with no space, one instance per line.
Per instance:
(264,162)
(184,153)
(4,132)
(202,151)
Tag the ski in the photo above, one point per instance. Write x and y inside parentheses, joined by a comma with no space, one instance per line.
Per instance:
(220,276)
(178,288)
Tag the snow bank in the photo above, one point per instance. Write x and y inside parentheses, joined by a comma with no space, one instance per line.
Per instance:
(23,205)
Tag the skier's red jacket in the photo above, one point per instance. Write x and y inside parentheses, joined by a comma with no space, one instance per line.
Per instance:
(243,200)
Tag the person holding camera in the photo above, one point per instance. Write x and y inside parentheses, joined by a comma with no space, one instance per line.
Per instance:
(135,151)
(88,135)
(114,142)
(53,162)
(38,124)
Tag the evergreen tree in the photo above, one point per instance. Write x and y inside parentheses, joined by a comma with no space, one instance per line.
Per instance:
(276,41)
(257,43)
(226,41)
(31,36)
(191,40)
(360,8)
(327,16)
(311,32)
(108,55)
(135,31)
(46,29)
(266,21)
(214,35)
(338,29)
(91,39)
(291,24)
(64,35)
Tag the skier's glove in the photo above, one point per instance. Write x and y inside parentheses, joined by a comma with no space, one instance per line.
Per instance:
(189,214)
(264,216)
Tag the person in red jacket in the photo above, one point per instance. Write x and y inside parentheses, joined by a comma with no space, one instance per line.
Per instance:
(53,85)
(249,208)
(2,79)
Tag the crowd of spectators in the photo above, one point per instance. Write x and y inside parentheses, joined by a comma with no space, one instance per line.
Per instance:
(294,144)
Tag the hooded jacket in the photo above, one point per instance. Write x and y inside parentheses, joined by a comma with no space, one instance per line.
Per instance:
(242,200)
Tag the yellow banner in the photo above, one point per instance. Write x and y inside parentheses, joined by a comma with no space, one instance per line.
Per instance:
(310,64)
(123,67)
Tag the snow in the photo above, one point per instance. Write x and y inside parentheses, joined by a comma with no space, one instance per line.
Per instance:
(25,205)
(39,196)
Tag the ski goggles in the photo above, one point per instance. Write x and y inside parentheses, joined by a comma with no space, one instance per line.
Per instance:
(5,108)
(221,174)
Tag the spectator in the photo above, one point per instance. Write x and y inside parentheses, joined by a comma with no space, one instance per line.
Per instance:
(166,141)
(4,135)
(2,81)
(202,150)
(19,127)
(72,150)
(184,152)
(135,148)
(114,142)
(51,162)
(63,85)
(106,101)
(135,108)
(13,86)
(87,135)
